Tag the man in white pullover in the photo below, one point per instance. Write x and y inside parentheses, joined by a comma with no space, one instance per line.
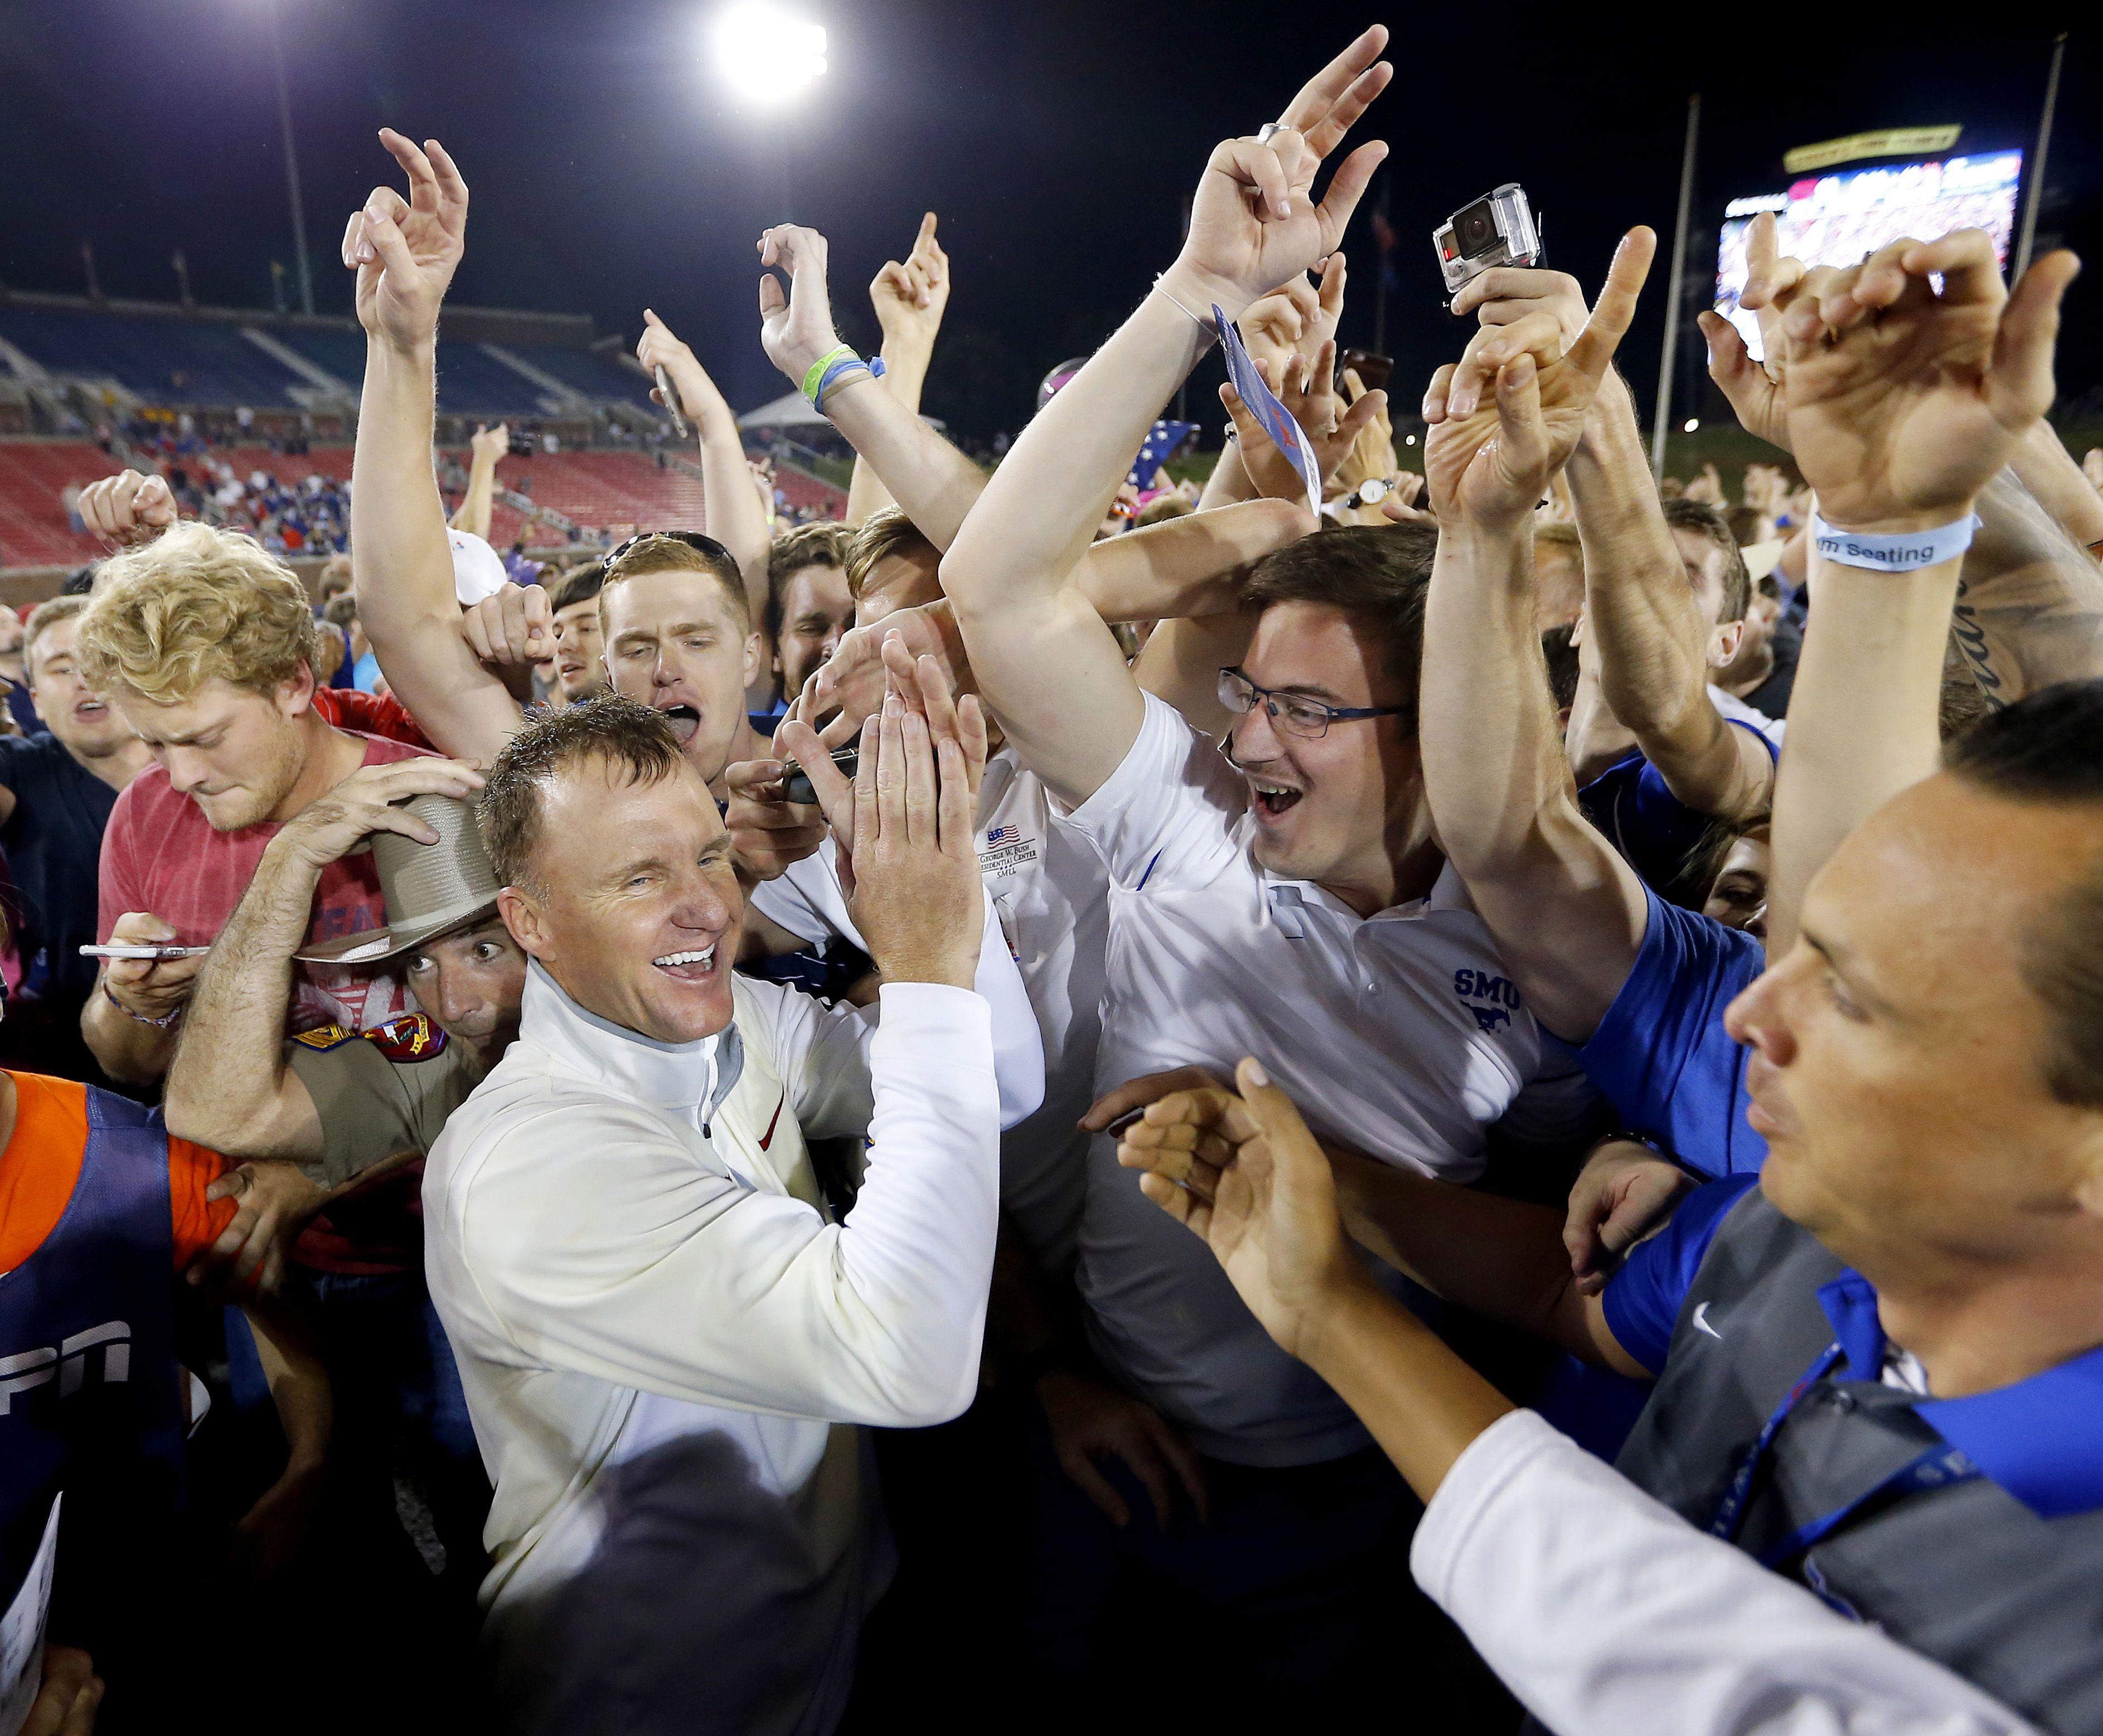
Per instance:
(663,1333)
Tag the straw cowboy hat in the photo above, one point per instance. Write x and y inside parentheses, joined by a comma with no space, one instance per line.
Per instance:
(428,888)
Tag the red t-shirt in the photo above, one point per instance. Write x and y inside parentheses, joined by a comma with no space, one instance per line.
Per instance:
(370,714)
(160,855)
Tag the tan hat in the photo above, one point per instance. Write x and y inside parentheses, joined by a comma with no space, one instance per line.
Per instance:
(428,888)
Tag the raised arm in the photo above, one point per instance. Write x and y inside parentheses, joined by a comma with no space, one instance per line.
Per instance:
(405,252)
(1654,650)
(230,1087)
(1569,914)
(737,517)
(909,298)
(1045,662)
(1902,404)
(486,445)
(932,481)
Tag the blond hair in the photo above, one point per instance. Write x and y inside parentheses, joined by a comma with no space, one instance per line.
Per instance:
(198,605)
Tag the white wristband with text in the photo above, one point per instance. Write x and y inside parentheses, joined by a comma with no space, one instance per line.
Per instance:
(1912,553)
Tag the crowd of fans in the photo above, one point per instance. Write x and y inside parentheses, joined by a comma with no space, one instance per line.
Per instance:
(1482,1102)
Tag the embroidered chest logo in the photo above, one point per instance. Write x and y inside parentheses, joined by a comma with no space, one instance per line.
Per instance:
(411,1037)
(1492,999)
(69,1363)
(1006,851)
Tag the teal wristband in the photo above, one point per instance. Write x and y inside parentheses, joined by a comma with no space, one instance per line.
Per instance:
(814,377)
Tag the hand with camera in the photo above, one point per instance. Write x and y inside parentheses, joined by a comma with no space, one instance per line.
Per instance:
(699,400)
(1510,412)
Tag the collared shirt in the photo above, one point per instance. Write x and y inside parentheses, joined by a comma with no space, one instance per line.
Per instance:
(1049,894)
(1772,1354)
(1401,1034)
(659,1329)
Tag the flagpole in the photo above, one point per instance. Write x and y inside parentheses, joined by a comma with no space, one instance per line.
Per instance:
(2036,165)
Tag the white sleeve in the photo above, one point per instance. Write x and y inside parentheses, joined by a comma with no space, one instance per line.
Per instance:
(833,1109)
(1609,1615)
(805,900)
(1167,814)
(682,1281)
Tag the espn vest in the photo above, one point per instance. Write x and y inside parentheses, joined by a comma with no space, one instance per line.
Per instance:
(89,1399)
(1970,1529)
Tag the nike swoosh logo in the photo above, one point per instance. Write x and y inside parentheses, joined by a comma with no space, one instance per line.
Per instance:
(766,1139)
(1701,1315)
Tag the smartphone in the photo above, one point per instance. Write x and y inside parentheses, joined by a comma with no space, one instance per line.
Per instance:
(1374,370)
(144,950)
(797,786)
(1124,1123)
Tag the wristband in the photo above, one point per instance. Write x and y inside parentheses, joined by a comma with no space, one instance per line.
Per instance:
(161,1023)
(1912,553)
(817,372)
(840,370)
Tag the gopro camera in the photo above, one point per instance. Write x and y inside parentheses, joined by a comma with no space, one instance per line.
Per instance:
(1497,229)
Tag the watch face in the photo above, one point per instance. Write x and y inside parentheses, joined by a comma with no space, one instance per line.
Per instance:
(1372,493)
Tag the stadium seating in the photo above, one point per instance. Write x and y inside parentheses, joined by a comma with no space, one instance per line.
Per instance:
(34,475)
(596,373)
(199,362)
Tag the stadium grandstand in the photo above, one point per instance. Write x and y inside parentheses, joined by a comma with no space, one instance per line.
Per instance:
(89,385)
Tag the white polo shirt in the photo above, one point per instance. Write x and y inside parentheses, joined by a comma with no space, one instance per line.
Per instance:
(1049,890)
(1400,1034)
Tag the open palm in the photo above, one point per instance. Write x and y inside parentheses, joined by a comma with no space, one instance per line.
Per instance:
(405,251)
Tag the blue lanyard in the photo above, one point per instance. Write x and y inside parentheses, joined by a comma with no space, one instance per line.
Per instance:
(1937,1468)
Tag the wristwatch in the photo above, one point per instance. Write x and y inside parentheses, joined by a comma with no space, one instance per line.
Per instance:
(1371,492)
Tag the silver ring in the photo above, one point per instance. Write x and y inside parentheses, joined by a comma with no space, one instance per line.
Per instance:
(1270,129)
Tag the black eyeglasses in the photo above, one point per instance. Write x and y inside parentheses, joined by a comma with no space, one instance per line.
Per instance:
(705,545)
(1308,719)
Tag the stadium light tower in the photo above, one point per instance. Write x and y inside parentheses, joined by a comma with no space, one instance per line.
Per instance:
(768,56)
(291,164)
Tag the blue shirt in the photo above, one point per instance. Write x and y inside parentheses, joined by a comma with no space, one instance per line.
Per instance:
(54,844)
(1657,833)
(2036,1439)
(1661,1054)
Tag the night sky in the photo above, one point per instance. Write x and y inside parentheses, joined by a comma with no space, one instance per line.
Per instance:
(1057,141)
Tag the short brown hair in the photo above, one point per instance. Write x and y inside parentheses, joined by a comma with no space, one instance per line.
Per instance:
(198,605)
(44,616)
(660,552)
(341,610)
(883,534)
(580,584)
(2048,746)
(1377,574)
(821,542)
(1704,520)
(619,731)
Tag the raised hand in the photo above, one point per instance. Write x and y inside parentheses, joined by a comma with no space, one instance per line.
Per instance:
(1755,388)
(797,329)
(1307,390)
(1903,403)
(491,443)
(405,251)
(855,678)
(1254,222)
(660,347)
(129,509)
(909,298)
(1490,461)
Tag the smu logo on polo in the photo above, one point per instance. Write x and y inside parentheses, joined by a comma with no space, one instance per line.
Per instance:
(69,1363)
(1492,999)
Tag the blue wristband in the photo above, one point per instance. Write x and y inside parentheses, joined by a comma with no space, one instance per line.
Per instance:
(840,370)
(1913,552)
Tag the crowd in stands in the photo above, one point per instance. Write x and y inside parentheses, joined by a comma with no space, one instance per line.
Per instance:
(1344,1096)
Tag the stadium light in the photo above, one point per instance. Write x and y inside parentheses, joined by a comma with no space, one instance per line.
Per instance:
(768,56)
(1690,424)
